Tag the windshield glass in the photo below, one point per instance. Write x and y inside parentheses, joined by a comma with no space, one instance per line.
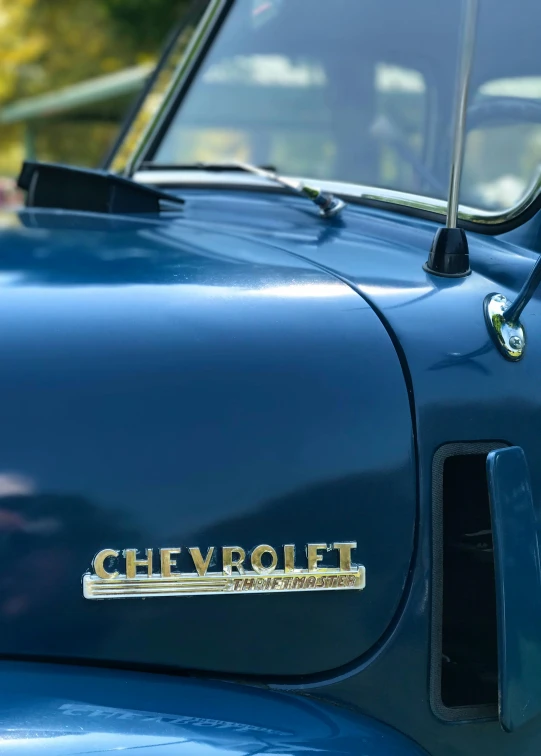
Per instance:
(363,91)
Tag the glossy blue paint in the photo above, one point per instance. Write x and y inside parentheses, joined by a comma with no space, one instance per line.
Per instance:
(170,385)
(462,388)
(106,297)
(518,582)
(68,711)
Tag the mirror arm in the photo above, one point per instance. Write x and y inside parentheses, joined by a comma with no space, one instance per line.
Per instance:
(514,311)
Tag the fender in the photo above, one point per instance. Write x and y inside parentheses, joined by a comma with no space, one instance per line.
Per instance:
(54,709)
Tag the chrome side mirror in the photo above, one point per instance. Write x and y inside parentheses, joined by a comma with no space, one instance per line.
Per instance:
(503,317)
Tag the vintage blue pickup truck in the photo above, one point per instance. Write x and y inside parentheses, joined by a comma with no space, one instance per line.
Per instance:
(270,399)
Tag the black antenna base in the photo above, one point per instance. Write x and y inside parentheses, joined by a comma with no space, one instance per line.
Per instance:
(449,255)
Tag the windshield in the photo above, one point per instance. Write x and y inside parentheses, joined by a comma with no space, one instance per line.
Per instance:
(364,92)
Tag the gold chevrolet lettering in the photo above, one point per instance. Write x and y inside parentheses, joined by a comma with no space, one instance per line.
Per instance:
(166,562)
(257,564)
(313,556)
(132,563)
(237,575)
(229,562)
(201,565)
(289,558)
(99,559)
(345,549)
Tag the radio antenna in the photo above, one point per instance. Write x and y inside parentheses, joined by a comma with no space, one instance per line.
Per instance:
(449,255)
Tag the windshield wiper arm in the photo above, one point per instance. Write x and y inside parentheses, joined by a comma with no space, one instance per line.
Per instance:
(328,204)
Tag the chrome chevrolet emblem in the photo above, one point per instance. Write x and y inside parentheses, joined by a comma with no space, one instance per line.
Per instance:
(126,574)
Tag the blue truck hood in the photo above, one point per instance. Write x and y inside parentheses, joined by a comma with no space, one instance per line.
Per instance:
(62,711)
(179,383)
(240,374)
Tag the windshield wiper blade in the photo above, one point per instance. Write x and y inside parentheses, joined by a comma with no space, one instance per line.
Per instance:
(328,204)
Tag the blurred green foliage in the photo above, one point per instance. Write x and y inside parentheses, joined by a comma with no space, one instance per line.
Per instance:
(48,44)
(146,23)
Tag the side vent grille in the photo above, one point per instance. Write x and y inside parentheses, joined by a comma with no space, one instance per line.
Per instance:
(464,673)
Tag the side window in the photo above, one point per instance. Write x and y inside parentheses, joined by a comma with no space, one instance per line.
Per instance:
(503,148)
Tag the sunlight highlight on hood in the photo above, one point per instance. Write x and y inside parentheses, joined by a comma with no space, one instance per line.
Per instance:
(304,290)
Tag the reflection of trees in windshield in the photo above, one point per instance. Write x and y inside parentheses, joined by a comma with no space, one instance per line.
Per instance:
(308,89)
(303,91)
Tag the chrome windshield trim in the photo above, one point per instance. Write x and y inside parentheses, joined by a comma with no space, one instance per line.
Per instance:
(347,191)
(188,61)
